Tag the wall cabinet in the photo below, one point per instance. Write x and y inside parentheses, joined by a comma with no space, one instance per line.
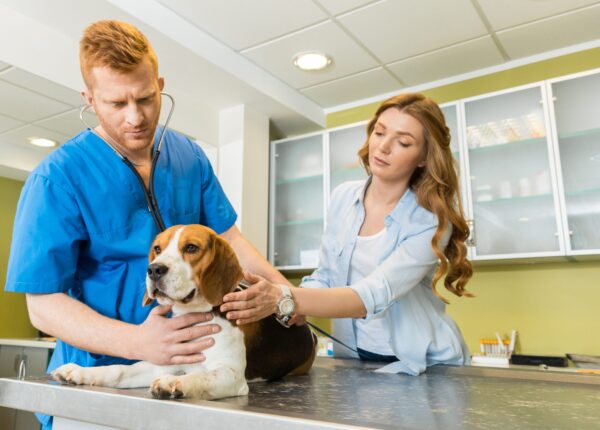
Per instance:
(513,201)
(296,201)
(529,163)
(576,113)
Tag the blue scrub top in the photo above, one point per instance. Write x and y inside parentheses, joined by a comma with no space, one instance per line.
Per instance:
(83,227)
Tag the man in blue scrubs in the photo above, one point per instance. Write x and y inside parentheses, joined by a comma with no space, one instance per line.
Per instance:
(83,228)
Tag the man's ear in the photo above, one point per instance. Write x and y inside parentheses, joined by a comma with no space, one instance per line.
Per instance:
(87,97)
(161,83)
(223,273)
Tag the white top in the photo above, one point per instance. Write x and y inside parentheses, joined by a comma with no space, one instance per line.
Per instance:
(372,335)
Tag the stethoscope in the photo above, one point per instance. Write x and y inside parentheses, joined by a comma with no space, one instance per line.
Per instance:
(149,194)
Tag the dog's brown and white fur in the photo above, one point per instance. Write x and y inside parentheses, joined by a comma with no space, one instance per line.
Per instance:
(192,268)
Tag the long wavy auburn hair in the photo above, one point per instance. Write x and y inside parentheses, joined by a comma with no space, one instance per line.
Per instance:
(436,186)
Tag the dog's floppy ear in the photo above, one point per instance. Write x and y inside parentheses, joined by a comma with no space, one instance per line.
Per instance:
(146,300)
(151,255)
(222,274)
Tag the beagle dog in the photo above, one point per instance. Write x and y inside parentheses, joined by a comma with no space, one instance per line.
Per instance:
(192,268)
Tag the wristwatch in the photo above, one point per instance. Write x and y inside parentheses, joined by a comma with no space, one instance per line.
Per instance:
(285,306)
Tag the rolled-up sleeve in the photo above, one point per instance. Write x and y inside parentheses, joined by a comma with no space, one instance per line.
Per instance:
(400,272)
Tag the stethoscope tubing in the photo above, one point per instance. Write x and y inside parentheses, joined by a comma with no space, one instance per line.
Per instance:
(149,194)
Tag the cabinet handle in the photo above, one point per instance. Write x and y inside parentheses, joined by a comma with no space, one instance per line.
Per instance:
(471,239)
(20,365)
(23,368)
(570,232)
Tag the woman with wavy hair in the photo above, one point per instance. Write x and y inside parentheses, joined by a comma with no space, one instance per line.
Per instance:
(389,240)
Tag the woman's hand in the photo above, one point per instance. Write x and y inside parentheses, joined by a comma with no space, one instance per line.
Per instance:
(253,304)
(297,320)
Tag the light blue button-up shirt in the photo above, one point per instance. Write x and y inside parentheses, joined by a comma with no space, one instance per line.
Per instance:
(399,289)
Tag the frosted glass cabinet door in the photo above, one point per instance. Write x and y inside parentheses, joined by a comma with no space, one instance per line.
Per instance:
(297,205)
(514,208)
(577,113)
(343,159)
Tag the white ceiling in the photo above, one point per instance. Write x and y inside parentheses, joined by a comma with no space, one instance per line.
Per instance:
(216,54)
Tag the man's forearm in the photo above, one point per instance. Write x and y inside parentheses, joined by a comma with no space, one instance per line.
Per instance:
(77,324)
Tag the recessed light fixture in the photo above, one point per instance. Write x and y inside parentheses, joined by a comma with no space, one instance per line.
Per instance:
(312,60)
(40,141)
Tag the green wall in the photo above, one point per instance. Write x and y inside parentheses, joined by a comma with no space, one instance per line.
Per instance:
(14,321)
(554,306)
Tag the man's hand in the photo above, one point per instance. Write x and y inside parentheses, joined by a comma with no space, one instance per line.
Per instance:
(253,304)
(163,340)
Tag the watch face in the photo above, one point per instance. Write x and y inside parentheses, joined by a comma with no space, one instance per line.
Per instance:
(286,307)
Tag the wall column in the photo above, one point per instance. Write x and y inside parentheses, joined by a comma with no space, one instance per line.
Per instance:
(244,170)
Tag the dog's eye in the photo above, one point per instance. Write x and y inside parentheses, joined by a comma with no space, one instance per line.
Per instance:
(191,248)
(157,249)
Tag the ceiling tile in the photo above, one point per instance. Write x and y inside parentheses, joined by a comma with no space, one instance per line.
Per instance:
(26,105)
(508,13)
(452,61)
(242,24)
(43,86)
(3,66)
(395,30)
(22,135)
(351,88)
(553,33)
(277,56)
(340,6)
(68,123)
(7,123)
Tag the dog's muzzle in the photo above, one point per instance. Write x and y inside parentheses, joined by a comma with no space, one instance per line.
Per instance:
(157,271)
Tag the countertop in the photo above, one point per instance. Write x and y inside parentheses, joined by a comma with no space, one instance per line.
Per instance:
(340,394)
(31,343)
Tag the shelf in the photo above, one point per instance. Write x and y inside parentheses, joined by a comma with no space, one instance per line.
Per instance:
(301,179)
(300,222)
(580,133)
(512,144)
(582,192)
(357,169)
(514,199)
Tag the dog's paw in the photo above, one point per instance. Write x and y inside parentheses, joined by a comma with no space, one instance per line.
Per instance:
(167,387)
(70,374)
(76,375)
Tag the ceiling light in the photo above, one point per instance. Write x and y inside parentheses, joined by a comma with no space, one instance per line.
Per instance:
(311,60)
(40,141)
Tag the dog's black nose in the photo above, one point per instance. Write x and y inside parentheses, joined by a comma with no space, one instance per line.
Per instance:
(157,271)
